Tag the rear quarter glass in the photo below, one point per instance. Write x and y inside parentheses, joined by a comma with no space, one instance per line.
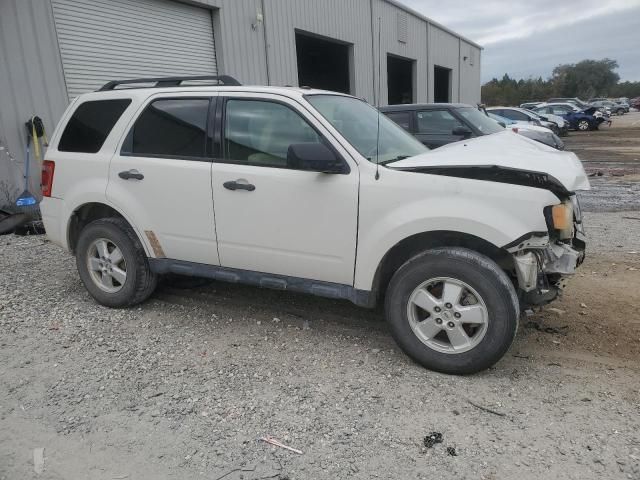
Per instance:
(90,125)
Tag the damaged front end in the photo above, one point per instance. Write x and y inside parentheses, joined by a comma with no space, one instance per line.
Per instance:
(543,259)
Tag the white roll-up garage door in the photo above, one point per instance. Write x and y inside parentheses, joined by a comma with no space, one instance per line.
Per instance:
(102,40)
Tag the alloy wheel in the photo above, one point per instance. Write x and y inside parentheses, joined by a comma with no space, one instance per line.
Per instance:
(106,265)
(583,125)
(447,315)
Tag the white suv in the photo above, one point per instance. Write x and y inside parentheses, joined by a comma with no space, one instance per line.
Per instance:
(313,191)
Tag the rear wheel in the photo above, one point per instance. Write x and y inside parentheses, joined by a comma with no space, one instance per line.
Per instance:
(113,265)
(620,111)
(452,310)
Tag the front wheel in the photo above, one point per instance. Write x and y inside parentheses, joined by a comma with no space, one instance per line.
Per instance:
(452,310)
(583,125)
(113,265)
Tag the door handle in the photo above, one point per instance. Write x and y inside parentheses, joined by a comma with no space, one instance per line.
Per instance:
(239,185)
(129,174)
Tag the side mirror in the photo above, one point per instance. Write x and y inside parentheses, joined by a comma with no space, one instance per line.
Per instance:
(314,157)
(462,131)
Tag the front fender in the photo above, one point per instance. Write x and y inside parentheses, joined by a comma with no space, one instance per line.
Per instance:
(499,215)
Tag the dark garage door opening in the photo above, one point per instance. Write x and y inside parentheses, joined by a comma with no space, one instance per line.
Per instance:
(322,63)
(441,84)
(399,80)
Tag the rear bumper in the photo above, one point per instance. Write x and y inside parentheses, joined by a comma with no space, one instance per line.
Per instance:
(52,218)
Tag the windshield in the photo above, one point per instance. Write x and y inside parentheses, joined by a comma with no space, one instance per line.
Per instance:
(534,115)
(498,118)
(357,122)
(479,120)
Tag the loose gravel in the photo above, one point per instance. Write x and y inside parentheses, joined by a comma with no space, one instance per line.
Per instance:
(186,384)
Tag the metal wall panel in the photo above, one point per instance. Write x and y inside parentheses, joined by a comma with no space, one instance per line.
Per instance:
(102,40)
(31,83)
(444,51)
(414,49)
(470,90)
(240,41)
(343,20)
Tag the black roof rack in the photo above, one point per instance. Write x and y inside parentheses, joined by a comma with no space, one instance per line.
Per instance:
(170,81)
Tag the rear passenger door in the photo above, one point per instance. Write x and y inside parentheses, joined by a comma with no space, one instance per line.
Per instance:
(434,128)
(160,176)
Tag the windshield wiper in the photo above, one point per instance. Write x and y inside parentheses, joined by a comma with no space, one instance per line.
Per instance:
(398,158)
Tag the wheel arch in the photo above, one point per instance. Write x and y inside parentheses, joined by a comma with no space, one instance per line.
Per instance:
(90,211)
(413,245)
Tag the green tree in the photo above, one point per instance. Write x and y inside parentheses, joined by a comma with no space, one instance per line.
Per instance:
(585,79)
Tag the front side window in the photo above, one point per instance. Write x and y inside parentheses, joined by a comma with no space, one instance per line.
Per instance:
(175,127)
(90,125)
(359,123)
(259,132)
(401,118)
(437,122)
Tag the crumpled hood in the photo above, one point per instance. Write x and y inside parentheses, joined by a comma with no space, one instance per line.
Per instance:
(509,150)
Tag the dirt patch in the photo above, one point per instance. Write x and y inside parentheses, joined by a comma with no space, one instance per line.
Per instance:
(611,156)
(614,149)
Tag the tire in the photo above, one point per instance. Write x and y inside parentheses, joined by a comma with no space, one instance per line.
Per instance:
(620,111)
(138,282)
(583,125)
(476,275)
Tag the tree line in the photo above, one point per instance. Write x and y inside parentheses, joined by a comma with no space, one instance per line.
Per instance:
(585,79)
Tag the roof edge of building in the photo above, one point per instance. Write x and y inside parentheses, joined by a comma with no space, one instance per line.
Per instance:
(415,13)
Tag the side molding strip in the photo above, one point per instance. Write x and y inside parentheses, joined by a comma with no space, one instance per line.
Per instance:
(362,298)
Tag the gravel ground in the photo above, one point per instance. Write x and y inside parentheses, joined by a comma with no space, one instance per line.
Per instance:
(183,386)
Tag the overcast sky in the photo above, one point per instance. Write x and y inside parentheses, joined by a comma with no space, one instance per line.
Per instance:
(529,38)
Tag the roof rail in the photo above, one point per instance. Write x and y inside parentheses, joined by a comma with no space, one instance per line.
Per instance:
(170,81)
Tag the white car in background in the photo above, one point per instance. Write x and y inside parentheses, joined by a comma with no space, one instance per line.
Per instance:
(527,117)
(534,132)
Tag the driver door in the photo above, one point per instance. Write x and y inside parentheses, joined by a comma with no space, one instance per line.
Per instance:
(270,216)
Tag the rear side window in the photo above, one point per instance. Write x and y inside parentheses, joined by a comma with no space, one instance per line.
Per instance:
(91,124)
(175,127)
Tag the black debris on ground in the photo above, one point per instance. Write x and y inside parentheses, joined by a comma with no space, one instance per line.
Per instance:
(433,438)
(553,330)
(451,451)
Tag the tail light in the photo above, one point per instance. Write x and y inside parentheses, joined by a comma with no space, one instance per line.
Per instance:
(48,167)
(515,129)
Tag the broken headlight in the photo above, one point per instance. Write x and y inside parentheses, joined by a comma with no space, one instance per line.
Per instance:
(560,219)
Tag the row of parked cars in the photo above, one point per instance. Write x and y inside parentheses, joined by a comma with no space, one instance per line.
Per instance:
(605,106)
(438,124)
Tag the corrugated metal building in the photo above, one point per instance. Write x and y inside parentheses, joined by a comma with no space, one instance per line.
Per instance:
(53,50)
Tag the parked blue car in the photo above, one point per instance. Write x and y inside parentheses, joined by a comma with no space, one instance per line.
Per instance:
(582,120)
